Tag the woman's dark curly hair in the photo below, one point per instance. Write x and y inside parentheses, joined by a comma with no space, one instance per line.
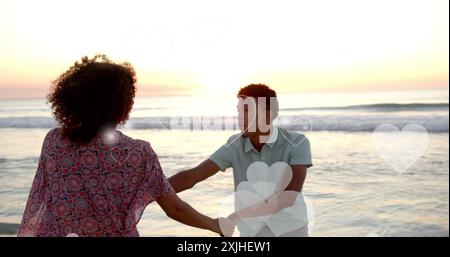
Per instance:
(92,95)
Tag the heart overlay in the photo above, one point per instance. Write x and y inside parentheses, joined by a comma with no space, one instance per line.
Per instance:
(303,124)
(262,183)
(120,155)
(400,149)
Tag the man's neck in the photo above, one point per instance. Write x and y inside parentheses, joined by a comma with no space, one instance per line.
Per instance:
(256,140)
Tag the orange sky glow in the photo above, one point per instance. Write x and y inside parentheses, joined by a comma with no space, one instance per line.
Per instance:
(200,47)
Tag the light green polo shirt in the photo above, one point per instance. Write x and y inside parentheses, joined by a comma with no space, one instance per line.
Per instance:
(287,146)
(283,146)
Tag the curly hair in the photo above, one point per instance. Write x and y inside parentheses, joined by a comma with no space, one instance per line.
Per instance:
(261,90)
(91,95)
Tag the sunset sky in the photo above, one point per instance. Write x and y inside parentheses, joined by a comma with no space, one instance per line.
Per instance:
(209,47)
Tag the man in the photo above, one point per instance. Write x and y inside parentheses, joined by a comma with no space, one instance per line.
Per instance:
(259,142)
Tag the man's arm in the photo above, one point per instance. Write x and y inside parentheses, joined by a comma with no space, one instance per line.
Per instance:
(182,212)
(188,178)
(298,178)
(277,201)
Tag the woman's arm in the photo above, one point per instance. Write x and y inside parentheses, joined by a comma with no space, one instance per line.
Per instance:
(182,212)
(33,214)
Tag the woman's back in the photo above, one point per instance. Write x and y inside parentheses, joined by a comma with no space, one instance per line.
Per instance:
(95,189)
(91,179)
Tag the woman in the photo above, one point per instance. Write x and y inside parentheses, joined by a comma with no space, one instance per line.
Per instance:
(92,180)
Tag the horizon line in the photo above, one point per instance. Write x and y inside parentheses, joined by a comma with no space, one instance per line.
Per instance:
(444,89)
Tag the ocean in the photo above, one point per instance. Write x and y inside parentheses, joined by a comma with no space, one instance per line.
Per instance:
(352,187)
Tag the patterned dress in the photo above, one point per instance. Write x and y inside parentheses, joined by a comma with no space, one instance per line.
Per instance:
(96,189)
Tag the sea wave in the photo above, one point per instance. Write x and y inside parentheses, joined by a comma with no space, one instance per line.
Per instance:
(384,107)
(28,122)
(316,122)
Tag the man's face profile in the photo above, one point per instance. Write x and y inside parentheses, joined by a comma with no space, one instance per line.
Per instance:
(253,117)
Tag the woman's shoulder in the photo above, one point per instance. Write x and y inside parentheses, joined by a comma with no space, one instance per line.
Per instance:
(136,144)
(118,139)
(52,136)
(53,132)
(55,136)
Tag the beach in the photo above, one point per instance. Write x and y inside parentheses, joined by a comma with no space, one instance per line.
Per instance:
(353,191)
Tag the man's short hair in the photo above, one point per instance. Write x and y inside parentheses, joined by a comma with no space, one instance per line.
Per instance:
(261,90)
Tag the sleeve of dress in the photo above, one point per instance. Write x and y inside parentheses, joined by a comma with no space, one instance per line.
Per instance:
(153,185)
(34,209)
(157,184)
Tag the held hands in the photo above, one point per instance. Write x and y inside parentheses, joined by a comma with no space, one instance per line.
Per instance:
(225,226)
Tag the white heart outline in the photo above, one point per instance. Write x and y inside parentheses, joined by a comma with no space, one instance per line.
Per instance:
(378,143)
(303,139)
(120,149)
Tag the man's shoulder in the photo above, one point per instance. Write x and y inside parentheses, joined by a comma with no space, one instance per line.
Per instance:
(293,137)
(292,134)
(235,140)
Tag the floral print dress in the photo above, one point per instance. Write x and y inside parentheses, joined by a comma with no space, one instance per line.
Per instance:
(96,189)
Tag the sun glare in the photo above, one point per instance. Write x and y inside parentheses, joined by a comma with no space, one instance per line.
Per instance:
(302,45)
